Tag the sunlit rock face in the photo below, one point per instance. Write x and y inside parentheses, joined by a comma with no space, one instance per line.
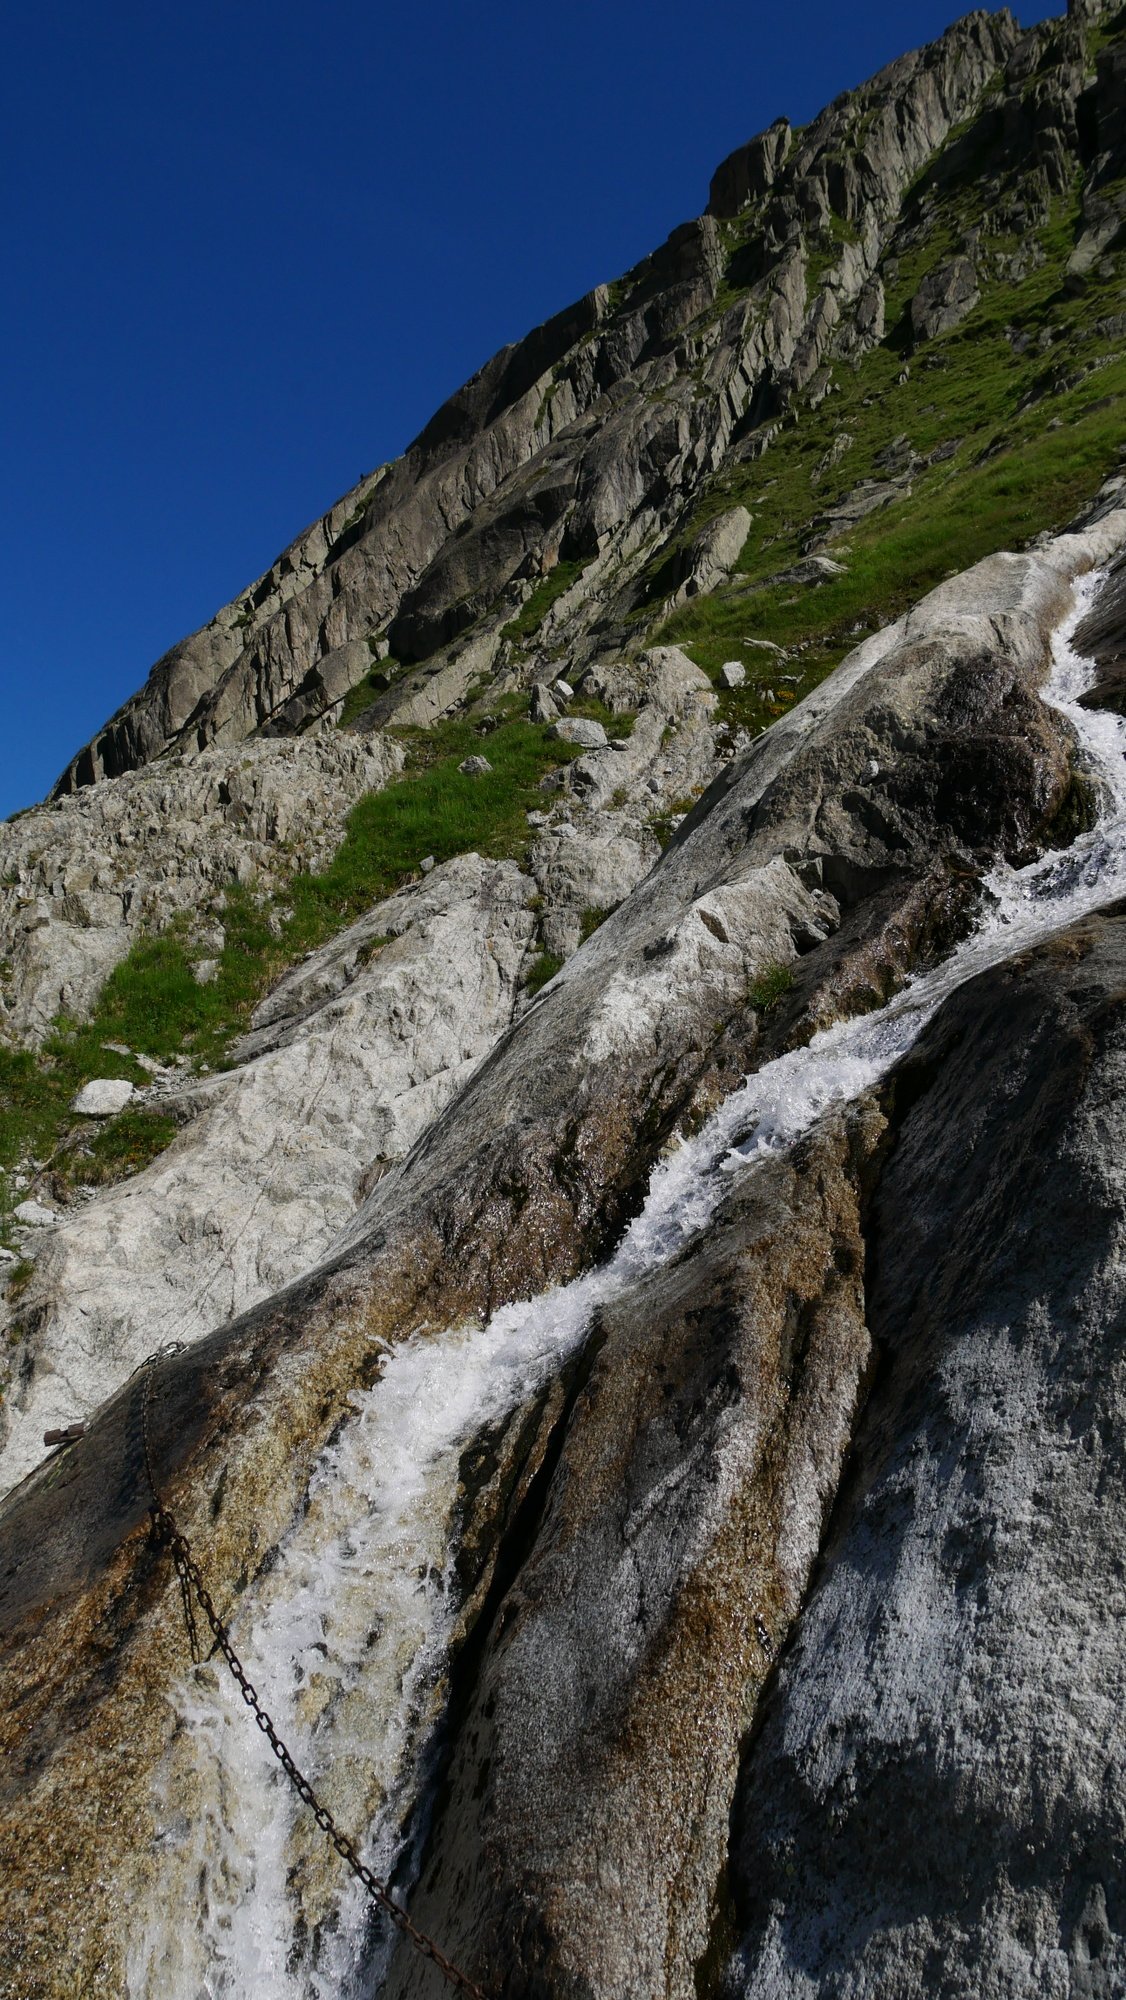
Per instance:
(84,878)
(607,1506)
(639,1298)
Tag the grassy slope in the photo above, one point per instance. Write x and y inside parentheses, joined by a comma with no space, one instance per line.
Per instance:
(152,1002)
(1030,449)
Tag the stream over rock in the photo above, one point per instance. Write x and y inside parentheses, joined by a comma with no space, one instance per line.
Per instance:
(517,1502)
(566,1067)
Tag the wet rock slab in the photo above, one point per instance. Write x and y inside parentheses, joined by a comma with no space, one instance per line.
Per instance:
(939,1778)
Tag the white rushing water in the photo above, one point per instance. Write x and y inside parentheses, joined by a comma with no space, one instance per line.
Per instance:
(348,1635)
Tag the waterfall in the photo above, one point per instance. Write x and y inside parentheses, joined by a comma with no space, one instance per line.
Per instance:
(347,1637)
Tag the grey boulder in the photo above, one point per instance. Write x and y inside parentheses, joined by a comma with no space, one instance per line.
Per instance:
(103,1097)
(577,729)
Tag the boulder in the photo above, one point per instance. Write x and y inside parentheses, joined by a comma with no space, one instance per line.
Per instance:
(33,1215)
(475,767)
(733,673)
(577,729)
(542,707)
(105,1095)
(709,560)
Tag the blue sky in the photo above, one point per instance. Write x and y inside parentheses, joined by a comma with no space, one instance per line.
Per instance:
(251,248)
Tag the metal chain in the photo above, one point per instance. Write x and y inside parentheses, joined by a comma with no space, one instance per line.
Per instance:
(167,1535)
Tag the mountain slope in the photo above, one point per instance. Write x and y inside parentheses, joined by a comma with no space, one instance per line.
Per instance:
(616,948)
(955,215)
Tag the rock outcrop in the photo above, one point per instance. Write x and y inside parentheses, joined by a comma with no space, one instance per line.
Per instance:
(354,1055)
(943,300)
(349,1058)
(948,1724)
(642,1274)
(83,878)
(798,857)
(586,443)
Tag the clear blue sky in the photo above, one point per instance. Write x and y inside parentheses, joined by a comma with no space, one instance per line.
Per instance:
(251,247)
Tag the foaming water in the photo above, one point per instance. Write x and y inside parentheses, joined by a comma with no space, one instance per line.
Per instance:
(348,1636)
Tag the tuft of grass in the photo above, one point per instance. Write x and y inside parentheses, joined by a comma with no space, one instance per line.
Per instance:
(360,508)
(590,921)
(662,823)
(544,968)
(18,1279)
(126,1144)
(771,986)
(374,683)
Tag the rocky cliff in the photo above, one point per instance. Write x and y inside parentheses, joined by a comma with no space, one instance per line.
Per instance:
(576,483)
(584,1018)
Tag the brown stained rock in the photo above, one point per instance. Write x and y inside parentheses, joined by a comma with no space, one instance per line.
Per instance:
(523,1183)
(587,1802)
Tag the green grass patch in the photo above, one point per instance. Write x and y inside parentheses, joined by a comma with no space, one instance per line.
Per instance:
(1020,451)
(374,683)
(771,986)
(125,1144)
(553,586)
(591,920)
(152,1003)
(544,968)
(664,824)
(1034,482)
(434,809)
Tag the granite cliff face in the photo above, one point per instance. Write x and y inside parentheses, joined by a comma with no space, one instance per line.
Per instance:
(582,454)
(611,957)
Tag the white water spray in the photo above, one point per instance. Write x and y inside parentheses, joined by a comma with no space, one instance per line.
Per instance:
(349,1633)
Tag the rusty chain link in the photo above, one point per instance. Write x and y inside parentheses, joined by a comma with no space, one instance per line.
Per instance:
(166,1535)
